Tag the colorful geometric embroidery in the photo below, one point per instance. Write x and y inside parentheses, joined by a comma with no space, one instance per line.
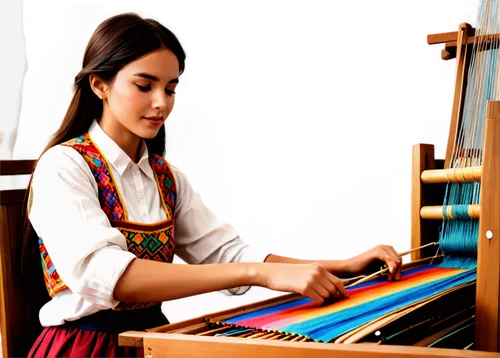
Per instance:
(166,182)
(53,282)
(108,194)
(145,242)
(157,245)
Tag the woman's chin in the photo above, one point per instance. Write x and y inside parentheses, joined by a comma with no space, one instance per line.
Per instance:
(147,133)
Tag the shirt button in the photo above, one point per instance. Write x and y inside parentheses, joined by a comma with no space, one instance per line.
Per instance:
(141,196)
(133,167)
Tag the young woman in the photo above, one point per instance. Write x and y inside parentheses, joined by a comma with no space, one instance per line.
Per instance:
(107,212)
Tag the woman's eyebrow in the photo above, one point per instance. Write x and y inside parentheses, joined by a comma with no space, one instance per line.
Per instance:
(154,78)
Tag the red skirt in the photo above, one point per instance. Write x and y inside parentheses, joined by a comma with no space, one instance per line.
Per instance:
(97,335)
(70,341)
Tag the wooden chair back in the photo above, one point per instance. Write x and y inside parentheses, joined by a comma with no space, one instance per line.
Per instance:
(19,322)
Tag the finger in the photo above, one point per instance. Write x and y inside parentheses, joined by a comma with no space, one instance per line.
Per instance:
(313,295)
(384,254)
(326,280)
(397,273)
(397,259)
(330,287)
(392,267)
(338,284)
(397,276)
(322,291)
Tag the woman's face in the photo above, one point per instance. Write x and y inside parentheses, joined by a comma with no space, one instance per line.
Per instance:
(141,96)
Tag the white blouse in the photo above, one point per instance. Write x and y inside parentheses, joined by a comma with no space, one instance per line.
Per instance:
(87,252)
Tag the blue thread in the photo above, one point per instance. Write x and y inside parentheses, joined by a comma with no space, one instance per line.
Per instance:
(458,237)
(460,212)
(328,327)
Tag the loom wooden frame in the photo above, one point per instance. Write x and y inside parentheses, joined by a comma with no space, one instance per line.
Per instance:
(169,341)
(19,324)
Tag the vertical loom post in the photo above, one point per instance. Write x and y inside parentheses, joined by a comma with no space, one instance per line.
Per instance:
(424,231)
(463,59)
(487,333)
(423,159)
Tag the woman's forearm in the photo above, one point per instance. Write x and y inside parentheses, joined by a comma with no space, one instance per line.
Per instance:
(152,281)
(337,267)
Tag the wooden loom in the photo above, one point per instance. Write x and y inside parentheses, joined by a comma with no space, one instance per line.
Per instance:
(195,337)
(19,321)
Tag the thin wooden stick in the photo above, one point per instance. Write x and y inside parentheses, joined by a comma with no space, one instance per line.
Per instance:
(278,336)
(369,277)
(267,335)
(350,279)
(215,330)
(404,253)
(418,248)
(384,268)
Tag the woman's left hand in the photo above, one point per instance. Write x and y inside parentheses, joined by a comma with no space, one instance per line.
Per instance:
(379,253)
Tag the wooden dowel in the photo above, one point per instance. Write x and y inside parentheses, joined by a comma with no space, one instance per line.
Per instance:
(436,212)
(453,175)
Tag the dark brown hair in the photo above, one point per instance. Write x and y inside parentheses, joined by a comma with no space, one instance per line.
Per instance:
(115,43)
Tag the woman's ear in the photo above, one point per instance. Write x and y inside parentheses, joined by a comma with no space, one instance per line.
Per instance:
(98,86)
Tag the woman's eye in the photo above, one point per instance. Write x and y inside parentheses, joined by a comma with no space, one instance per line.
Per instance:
(143,88)
(148,88)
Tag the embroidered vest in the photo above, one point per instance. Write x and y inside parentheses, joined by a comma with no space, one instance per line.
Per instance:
(146,241)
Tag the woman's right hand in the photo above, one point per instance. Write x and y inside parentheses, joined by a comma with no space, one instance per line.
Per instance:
(311,280)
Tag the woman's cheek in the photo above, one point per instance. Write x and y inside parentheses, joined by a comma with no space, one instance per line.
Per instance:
(136,104)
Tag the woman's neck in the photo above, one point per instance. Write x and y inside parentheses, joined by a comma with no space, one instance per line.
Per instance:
(124,138)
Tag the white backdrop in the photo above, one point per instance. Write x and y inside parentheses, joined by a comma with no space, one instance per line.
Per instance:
(33,105)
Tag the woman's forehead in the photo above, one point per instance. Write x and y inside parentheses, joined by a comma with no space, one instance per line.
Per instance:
(162,64)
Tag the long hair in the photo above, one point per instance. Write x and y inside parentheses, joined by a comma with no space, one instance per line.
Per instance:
(115,43)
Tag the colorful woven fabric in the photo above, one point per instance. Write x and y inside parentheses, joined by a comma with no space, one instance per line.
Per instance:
(367,302)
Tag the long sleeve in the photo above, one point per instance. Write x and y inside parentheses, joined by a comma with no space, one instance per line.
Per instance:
(88,254)
(202,239)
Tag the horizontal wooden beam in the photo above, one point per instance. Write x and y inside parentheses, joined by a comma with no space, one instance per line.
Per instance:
(453,175)
(436,212)
(16,167)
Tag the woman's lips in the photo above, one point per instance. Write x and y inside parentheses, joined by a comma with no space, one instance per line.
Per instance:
(154,120)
